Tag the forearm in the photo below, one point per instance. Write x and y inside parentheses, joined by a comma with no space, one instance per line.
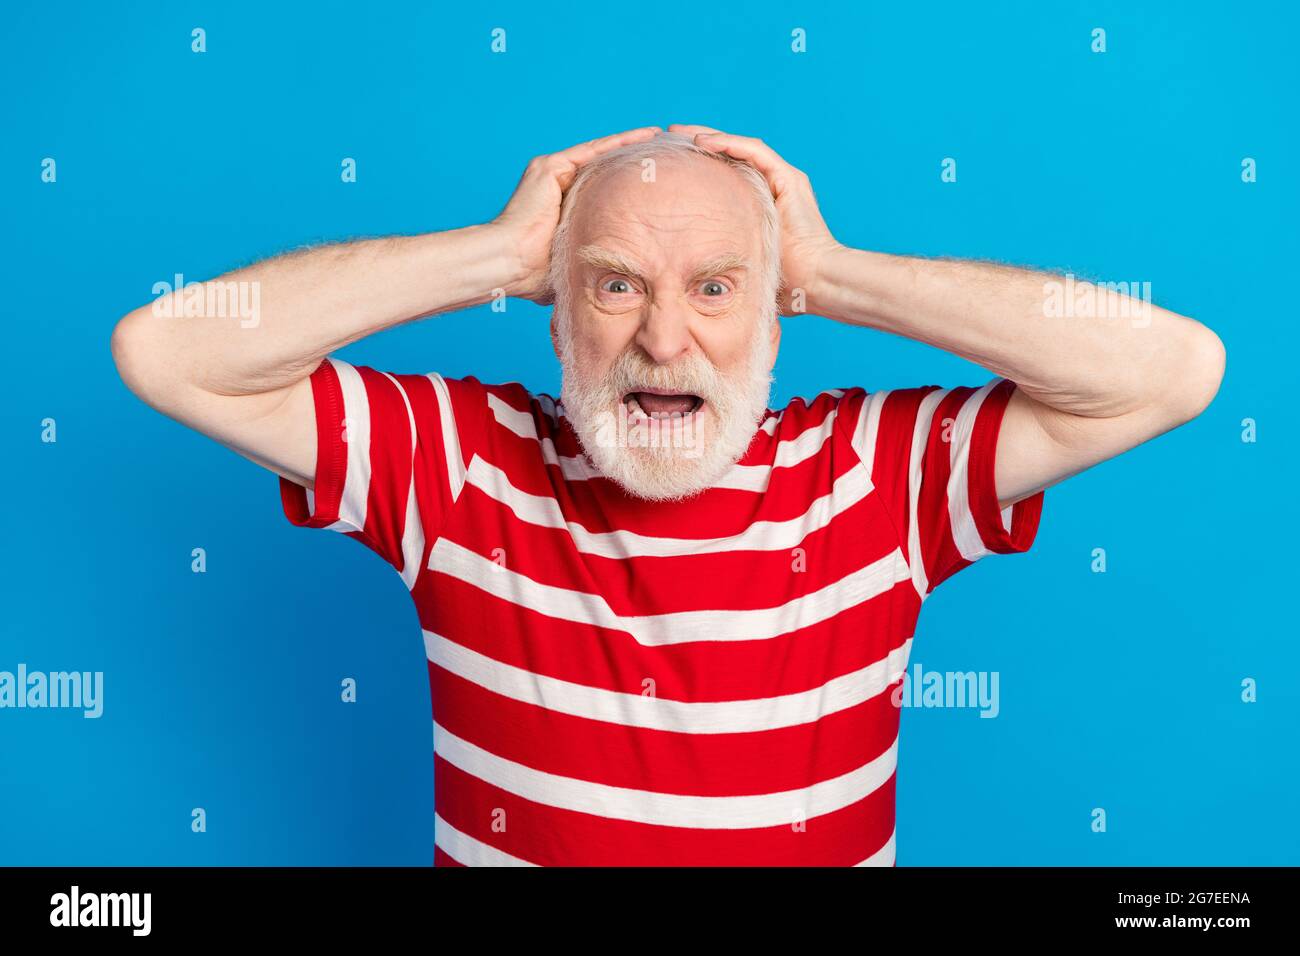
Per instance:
(307,305)
(1100,354)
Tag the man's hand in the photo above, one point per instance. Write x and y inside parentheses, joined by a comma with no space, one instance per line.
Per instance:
(530,218)
(805,239)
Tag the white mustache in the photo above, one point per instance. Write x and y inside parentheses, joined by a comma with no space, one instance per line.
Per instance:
(632,373)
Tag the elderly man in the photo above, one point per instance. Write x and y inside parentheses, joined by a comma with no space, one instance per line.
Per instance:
(665,623)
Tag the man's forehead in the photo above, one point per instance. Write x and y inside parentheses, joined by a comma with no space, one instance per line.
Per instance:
(628,259)
(694,212)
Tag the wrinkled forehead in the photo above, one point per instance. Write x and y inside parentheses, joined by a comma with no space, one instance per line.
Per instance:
(679,210)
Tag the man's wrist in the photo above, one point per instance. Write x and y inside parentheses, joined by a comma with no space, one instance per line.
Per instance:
(847,286)
(473,264)
(497,254)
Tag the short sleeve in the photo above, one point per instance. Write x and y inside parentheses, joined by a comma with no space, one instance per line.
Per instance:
(931,453)
(392,454)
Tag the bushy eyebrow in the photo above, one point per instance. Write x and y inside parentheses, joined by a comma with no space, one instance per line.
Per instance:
(727,262)
(602,258)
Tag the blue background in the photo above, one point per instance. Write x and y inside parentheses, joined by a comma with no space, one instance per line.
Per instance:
(1118,690)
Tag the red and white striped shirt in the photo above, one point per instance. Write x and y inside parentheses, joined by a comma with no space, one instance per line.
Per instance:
(621,682)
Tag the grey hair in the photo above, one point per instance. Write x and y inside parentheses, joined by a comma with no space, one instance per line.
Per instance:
(666,145)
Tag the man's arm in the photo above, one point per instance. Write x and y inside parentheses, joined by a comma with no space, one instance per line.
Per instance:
(246,383)
(249,387)
(1091,386)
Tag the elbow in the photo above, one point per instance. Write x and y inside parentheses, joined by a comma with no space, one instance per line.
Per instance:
(1199,373)
(125,347)
(133,346)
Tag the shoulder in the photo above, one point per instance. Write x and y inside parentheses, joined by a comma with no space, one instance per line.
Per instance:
(862,417)
(830,409)
(434,399)
(510,406)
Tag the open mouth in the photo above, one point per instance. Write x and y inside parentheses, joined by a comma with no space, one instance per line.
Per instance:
(662,405)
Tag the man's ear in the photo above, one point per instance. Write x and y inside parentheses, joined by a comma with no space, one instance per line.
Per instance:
(776,341)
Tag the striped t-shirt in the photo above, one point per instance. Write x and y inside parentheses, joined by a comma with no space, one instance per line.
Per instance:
(623,682)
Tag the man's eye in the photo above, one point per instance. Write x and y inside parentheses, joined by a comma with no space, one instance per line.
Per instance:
(618,286)
(713,288)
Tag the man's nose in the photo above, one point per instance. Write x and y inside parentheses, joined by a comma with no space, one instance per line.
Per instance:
(665,332)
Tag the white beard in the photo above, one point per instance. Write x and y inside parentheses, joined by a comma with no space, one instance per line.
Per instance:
(658,461)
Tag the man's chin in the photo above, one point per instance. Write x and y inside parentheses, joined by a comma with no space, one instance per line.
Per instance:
(662,479)
(664,459)
(664,471)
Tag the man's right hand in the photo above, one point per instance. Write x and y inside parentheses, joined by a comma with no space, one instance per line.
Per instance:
(530,218)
